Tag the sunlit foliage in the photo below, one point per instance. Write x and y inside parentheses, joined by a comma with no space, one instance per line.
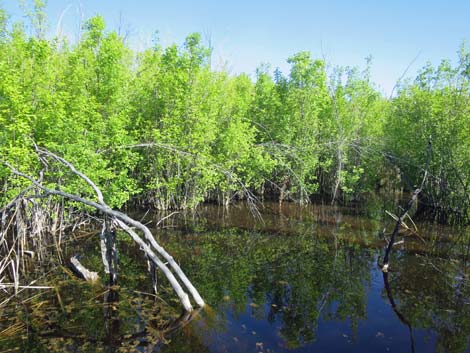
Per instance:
(161,127)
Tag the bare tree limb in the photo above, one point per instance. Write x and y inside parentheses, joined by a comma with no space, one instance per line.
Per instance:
(74,170)
(408,206)
(124,221)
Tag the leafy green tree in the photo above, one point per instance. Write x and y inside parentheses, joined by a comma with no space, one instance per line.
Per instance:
(351,133)
(161,128)
(435,105)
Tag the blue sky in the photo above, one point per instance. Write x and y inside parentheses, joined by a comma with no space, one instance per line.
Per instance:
(247,33)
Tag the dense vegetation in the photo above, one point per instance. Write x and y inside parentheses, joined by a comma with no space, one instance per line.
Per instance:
(162,128)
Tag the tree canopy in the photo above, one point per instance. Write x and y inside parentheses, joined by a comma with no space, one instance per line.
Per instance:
(161,127)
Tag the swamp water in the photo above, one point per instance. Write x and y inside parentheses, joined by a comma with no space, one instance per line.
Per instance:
(300,280)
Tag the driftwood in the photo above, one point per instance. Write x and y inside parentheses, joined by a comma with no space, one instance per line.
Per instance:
(82,270)
(405,211)
(120,220)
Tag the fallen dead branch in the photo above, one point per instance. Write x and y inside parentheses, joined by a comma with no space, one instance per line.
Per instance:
(82,270)
(120,220)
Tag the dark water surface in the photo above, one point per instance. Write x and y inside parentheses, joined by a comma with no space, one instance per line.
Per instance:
(300,280)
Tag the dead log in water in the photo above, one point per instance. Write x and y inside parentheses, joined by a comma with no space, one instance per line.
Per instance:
(82,270)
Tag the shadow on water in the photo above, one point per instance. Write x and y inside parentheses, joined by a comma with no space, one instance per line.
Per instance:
(303,280)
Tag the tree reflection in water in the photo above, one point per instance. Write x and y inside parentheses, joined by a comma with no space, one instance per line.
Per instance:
(314,287)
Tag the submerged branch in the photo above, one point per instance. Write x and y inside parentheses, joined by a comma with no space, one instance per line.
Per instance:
(82,270)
